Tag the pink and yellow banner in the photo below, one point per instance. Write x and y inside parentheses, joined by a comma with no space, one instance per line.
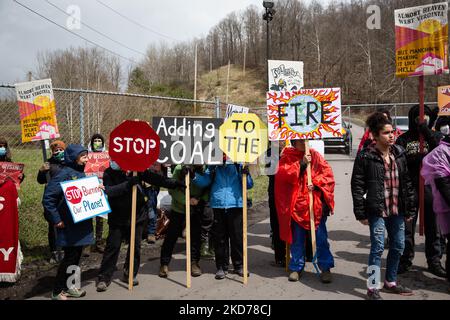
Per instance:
(304,114)
(37,110)
(421,40)
(444,101)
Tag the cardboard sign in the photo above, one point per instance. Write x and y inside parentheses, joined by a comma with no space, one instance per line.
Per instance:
(37,110)
(85,199)
(304,114)
(97,163)
(421,40)
(188,140)
(444,101)
(243,137)
(231,108)
(285,75)
(11,170)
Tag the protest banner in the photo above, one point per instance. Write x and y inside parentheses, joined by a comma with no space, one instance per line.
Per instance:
(421,40)
(37,110)
(304,114)
(188,140)
(444,100)
(12,171)
(97,163)
(243,138)
(10,254)
(231,108)
(134,145)
(285,75)
(421,44)
(85,199)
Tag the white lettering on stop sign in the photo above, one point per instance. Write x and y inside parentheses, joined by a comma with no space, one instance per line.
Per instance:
(137,146)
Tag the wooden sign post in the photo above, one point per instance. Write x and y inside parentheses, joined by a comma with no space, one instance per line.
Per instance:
(134,145)
(244,225)
(188,230)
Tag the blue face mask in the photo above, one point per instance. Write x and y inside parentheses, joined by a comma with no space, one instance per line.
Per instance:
(2,151)
(114,165)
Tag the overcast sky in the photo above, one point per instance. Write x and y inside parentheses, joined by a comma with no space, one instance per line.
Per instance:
(23,34)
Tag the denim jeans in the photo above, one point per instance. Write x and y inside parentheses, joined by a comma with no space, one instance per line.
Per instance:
(151,207)
(395,226)
(324,257)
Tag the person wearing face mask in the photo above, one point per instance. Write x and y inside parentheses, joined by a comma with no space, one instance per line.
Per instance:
(442,126)
(69,235)
(47,171)
(5,152)
(410,142)
(97,144)
(118,187)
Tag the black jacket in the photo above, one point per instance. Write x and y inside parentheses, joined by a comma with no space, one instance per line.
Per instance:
(368,179)
(118,188)
(410,142)
(44,177)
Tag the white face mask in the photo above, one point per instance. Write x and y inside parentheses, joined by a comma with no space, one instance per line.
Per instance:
(445,130)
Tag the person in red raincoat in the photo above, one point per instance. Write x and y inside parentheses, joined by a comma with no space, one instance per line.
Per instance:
(292,203)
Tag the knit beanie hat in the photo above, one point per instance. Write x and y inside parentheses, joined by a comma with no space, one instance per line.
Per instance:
(57,144)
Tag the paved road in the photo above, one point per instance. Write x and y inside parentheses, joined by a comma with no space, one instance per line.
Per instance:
(349,243)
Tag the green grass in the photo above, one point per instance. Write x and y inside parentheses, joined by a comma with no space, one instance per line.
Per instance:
(32,225)
(259,190)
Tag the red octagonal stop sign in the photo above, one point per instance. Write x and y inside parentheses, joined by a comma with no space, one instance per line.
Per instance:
(134,145)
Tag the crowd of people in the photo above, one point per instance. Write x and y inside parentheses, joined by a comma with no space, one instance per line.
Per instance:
(384,185)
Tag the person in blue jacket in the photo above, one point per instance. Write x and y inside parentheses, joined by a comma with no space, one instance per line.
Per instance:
(70,236)
(226,201)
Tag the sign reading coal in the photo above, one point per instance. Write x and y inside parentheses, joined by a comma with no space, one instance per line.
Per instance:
(188,140)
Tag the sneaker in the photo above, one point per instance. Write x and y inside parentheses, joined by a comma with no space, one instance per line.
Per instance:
(240,271)
(373,295)
(151,239)
(195,269)
(220,274)
(164,271)
(437,269)
(75,293)
(326,276)
(102,286)
(295,276)
(59,296)
(398,289)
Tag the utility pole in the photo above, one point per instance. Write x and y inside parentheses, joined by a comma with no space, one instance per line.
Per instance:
(268,16)
(195,81)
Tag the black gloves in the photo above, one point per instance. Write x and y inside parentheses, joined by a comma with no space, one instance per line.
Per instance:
(133,181)
(187,169)
(245,170)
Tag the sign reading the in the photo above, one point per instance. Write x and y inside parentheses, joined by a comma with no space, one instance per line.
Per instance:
(421,40)
(304,114)
(37,109)
(85,199)
(134,145)
(243,137)
(188,140)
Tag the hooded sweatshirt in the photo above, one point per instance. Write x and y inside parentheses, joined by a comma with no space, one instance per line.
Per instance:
(410,141)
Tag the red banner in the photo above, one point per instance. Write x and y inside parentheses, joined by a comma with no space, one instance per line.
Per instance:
(12,171)
(9,232)
(97,163)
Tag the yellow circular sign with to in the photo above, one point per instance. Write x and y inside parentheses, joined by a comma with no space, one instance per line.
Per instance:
(243,137)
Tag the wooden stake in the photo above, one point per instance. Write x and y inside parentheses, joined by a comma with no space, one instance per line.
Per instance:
(188,231)
(133,236)
(421,149)
(244,224)
(311,203)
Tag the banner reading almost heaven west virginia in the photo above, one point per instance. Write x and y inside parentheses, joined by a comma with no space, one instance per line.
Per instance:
(37,110)
(421,40)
